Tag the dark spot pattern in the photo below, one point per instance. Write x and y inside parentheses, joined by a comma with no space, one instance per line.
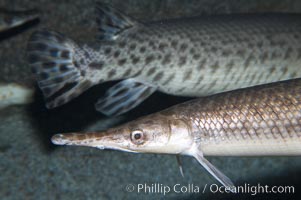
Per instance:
(162,46)
(76,64)
(64,68)
(198,82)
(214,67)
(137,84)
(196,56)
(142,49)
(158,76)
(127,73)
(48,65)
(121,61)
(284,70)
(166,59)
(114,104)
(174,43)
(187,75)
(260,44)
(226,52)
(246,64)
(230,65)
(264,57)
(241,52)
(108,51)
(135,60)
(149,59)
(274,55)
(182,61)
(112,73)
(54,52)
(192,51)
(151,71)
(213,49)
(83,72)
(87,54)
(202,64)
(121,92)
(122,44)
(96,65)
(145,93)
(82,61)
(181,89)
(116,53)
(138,73)
(132,46)
(293,75)
(65,54)
(183,47)
(169,79)
(272,69)
(152,45)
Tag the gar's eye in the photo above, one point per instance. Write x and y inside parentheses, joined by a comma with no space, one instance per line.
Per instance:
(137,137)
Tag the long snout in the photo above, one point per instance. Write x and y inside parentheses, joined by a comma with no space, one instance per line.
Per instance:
(110,139)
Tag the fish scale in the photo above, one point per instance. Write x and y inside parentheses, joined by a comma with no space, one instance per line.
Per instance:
(187,57)
(260,121)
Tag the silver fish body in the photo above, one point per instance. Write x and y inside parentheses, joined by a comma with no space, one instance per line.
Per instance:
(257,121)
(264,120)
(11,19)
(186,57)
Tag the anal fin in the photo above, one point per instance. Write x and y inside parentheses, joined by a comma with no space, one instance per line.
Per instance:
(124,96)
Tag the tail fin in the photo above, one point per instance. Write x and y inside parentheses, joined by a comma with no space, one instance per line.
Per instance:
(54,60)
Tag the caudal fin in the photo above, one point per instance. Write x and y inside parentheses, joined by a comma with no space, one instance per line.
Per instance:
(54,59)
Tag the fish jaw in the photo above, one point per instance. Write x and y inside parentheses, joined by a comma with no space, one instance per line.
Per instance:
(152,134)
(100,140)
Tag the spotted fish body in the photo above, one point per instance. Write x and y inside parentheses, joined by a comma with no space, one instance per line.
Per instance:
(186,57)
(263,121)
(202,56)
(11,19)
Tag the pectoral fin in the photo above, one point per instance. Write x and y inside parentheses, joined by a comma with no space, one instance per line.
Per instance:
(124,96)
(180,165)
(222,178)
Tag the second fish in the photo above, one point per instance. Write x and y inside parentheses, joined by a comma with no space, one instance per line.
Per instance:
(186,57)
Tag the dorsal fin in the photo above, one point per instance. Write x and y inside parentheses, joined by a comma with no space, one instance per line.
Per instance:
(111,22)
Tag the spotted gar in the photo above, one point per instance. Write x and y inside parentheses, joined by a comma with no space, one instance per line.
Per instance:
(187,57)
(258,121)
(11,19)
